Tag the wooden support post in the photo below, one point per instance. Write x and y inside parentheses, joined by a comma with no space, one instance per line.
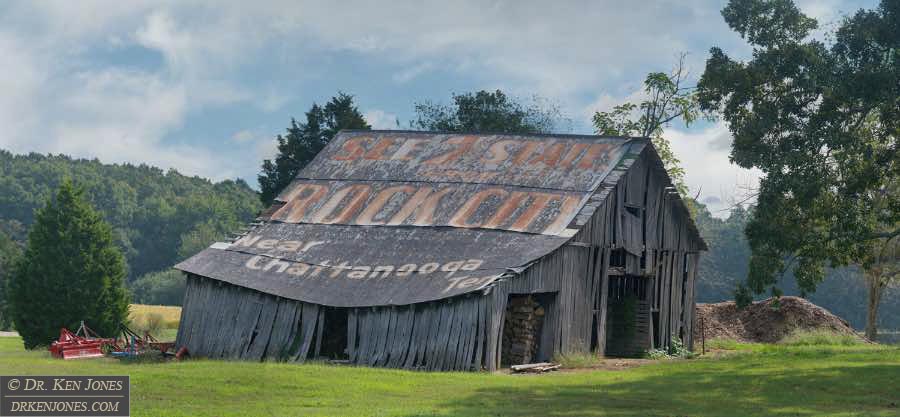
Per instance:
(604,299)
(703,334)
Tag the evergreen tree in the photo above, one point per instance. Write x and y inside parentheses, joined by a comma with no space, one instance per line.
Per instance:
(304,140)
(71,271)
(9,251)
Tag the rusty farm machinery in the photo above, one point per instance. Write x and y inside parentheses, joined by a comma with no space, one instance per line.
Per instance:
(86,343)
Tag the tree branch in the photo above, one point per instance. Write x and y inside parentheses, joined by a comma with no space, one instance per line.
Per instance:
(885,235)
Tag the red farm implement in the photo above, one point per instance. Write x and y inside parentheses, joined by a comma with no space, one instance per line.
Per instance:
(132,345)
(84,343)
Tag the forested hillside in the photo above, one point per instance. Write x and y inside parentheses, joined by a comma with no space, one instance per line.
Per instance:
(162,217)
(159,217)
(726,264)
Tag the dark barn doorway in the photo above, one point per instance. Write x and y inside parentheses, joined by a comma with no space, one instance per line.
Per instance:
(628,316)
(334,334)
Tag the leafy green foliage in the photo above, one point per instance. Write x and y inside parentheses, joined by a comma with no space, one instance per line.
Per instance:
(724,265)
(71,271)
(9,253)
(304,140)
(157,216)
(723,270)
(667,100)
(676,349)
(487,112)
(768,22)
(821,122)
(159,288)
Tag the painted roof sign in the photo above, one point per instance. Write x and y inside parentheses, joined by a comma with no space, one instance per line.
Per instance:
(392,218)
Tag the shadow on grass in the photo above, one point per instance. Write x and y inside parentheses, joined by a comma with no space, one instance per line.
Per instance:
(739,390)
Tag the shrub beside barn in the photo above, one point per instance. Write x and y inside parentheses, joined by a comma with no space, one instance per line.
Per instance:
(454,252)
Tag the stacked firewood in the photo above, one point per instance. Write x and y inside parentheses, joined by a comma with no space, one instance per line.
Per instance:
(520,335)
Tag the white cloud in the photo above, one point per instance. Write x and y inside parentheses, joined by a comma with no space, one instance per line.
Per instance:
(824,11)
(20,83)
(606,102)
(159,32)
(242,136)
(553,49)
(54,100)
(259,146)
(704,157)
(407,74)
(124,116)
(379,119)
(58,97)
(114,114)
(272,100)
(265,149)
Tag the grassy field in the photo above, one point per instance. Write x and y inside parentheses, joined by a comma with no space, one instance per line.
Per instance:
(160,321)
(754,380)
(166,313)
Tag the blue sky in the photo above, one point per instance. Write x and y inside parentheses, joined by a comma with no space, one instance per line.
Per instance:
(204,87)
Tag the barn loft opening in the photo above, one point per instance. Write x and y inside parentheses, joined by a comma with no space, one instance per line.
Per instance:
(522,328)
(334,333)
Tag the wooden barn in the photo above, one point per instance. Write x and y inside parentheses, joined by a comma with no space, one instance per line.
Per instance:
(454,252)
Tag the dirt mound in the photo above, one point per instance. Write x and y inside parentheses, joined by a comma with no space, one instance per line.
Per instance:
(765,321)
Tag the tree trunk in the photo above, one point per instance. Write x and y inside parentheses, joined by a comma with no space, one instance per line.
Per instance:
(875,287)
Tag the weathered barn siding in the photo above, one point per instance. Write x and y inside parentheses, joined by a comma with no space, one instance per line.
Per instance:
(221,320)
(634,239)
(640,214)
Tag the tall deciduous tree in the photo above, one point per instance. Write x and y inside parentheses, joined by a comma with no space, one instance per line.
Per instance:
(668,100)
(487,112)
(159,288)
(882,264)
(71,271)
(304,140)
(822,123)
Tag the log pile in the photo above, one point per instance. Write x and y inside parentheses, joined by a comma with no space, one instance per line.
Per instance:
(524,317)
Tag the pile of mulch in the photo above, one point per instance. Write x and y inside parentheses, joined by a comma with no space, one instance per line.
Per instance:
(765,321)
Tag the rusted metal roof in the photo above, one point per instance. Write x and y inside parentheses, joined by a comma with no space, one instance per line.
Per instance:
(392,218)
(563,162)
(520,183)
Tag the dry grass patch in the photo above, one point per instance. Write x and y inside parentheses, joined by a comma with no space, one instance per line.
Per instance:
(160,321)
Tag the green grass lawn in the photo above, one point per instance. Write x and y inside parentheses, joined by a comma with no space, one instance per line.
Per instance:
(759,380)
